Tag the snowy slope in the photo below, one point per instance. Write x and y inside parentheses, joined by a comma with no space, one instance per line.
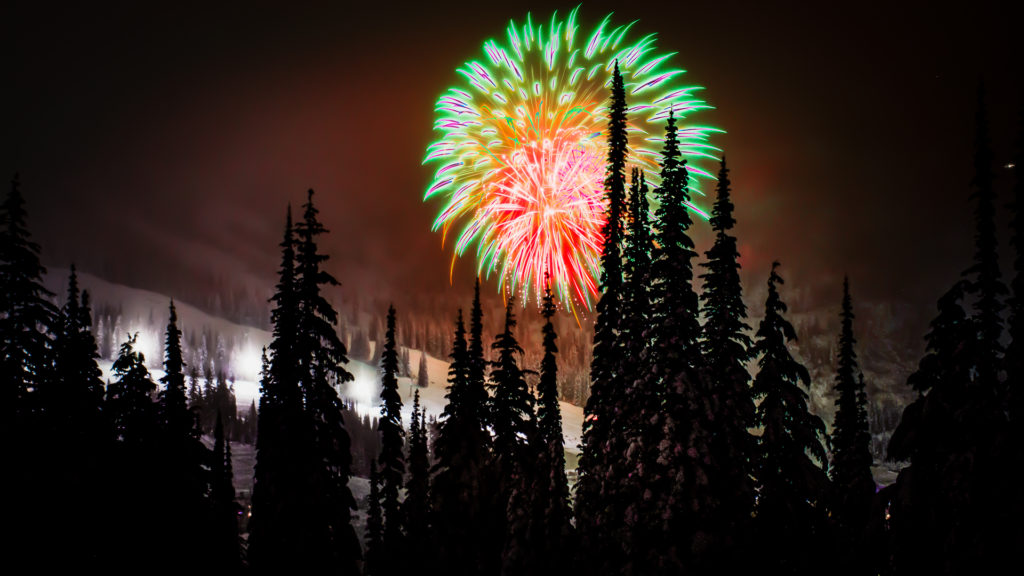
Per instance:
(145,312)
(364,390)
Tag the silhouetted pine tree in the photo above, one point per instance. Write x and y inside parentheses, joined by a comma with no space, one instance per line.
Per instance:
(416,507)
(320,357)
(680,510)
(642,402)
(1014,357)
(512,418)
(511,405)
(130,399)
(594,496)
(423,375)
(299,506)
(921,518)
(475,350)
(392,457)
(76,398)
(458,502)
(551,532)
(27,318)
(184,482)
(637,273)
(726,347)
(195,392)
(71,458)
(986,525)
(374,527)
(949,509)
(983,275)
(852,484)
(177,421)
(225,554)
(135,462)
(792,482)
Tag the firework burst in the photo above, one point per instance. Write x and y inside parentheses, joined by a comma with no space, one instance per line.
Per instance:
(522,152)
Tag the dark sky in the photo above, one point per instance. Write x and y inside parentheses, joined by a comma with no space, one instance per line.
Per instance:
(159,145)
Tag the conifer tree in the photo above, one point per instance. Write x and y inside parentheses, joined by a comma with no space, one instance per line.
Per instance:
(457,487)
(1014,357)
(514,425)
(76,397)
(984,275)
(392,458)
(637,274)
(551,513)
(726,348)
(375,555)
(852,482)
(27,318)
(593,494)
(183,481)
(921,519)
(195,392)
(320,357)
(174,412)
(301,500)
(1015,351)
(130,399)
(135,462)
(224,545)
(677,453)
(416,507)
(422,374)
(72,455)
(512,414)
(790,469)
(948,508)
(641,403)
(475,350)
(986,524)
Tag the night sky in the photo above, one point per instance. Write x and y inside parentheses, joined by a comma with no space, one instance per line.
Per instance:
(158,146)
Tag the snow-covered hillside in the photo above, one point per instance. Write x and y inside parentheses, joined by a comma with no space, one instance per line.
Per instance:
(146,312)
(364,390)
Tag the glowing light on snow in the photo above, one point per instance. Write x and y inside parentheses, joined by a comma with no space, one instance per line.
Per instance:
(150,345)
(522,152)
(247,363)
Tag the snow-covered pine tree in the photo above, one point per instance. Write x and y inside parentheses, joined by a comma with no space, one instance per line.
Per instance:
(676,453)
(726,348)
(790,468)
(422,374)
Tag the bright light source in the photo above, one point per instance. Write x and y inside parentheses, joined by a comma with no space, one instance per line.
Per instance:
(247,363)
(148,343)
